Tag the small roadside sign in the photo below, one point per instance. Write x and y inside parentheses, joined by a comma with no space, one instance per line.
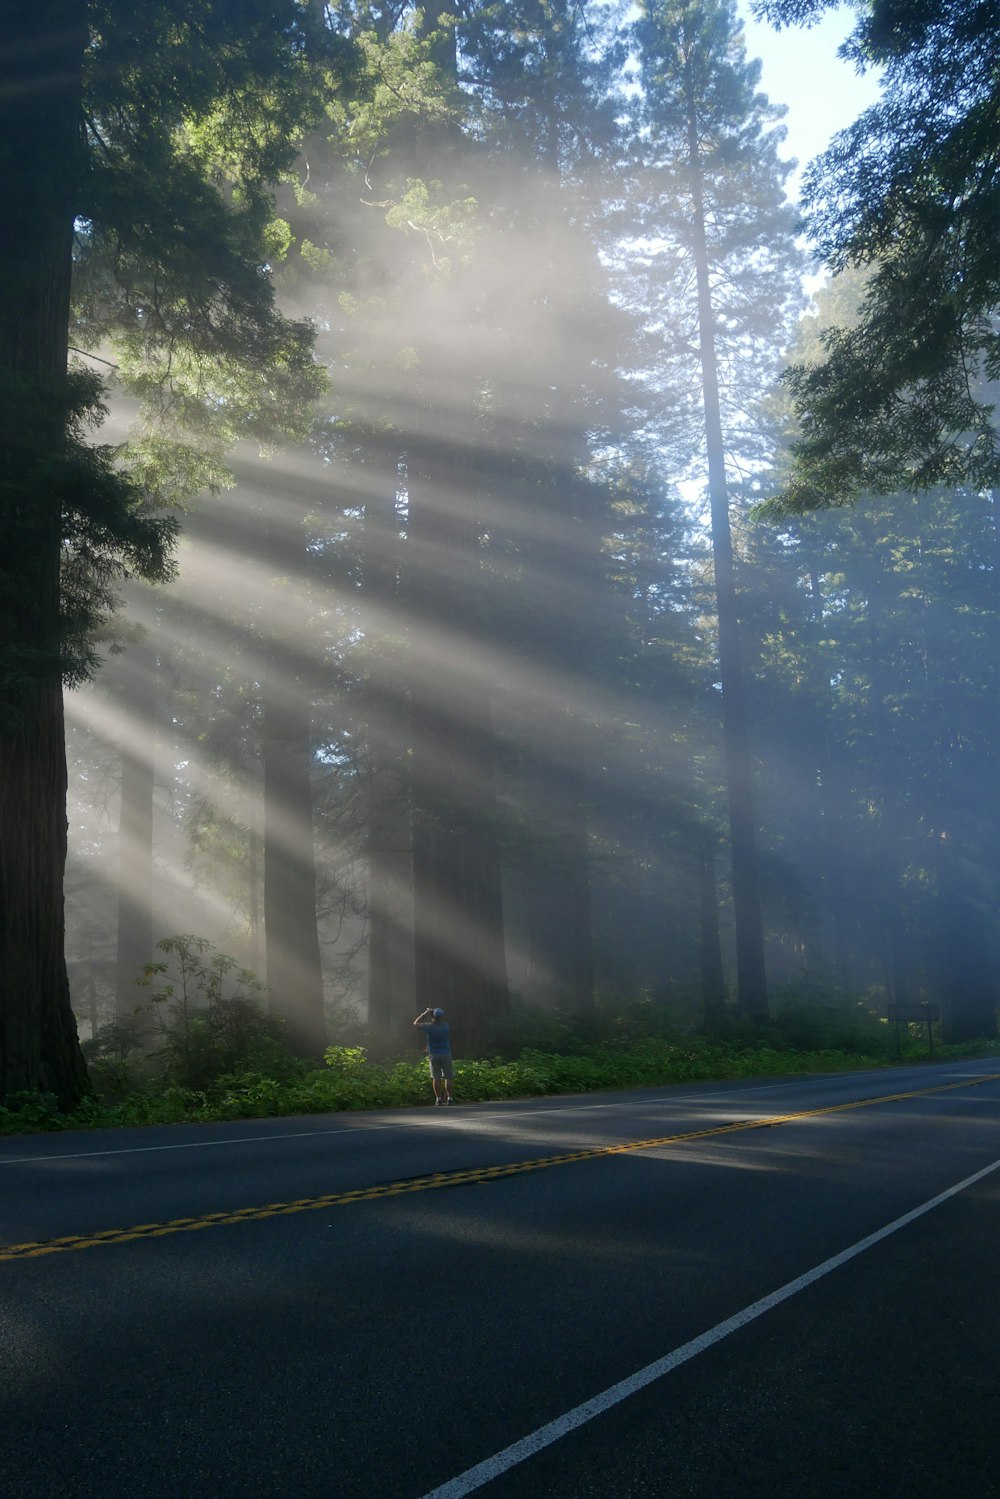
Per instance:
(914,1014)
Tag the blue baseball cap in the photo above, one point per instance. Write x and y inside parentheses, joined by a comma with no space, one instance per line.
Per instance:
(438,1014)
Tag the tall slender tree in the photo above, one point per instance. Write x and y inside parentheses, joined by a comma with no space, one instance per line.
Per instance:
(134,948)
(540,79)
(717,236)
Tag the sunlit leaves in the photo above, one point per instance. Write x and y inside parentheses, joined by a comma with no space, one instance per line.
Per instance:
(910,190)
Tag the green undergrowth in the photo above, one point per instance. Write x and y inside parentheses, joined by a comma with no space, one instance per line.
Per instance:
(349,1079)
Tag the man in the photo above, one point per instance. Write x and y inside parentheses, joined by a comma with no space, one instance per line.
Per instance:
(438,1033)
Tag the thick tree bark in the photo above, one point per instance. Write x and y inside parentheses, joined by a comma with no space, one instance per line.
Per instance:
(40,114)
(459,957)
(135,836)
(751,980)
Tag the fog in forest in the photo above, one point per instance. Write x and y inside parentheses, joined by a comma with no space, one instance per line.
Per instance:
(433,711)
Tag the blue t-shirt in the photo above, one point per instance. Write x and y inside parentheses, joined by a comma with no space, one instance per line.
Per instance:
(438,1038)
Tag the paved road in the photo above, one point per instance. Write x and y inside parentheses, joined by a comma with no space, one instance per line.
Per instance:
(378,1304)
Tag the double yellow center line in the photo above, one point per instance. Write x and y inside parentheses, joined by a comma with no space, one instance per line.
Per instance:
(471,1177)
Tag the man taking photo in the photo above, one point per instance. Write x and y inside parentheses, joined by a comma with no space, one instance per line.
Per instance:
(438,1034)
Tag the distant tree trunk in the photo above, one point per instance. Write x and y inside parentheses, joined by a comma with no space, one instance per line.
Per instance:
(291,936)
(458,950)
(830,862)
(459,958)
(556,533)
(899,939)
(135,835)
(559,912)
(391,1003)
(751,980)
(253,897)
(391,983)
(885,955)
(92,998)
(662,976)
(713,982)
(968,971)
(40,121)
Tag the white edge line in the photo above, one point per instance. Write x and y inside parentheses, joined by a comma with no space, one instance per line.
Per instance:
(419,1122)
(80,1155)
(345,1132)
(501,1462)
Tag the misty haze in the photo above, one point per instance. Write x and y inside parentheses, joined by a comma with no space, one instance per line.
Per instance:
(479,542)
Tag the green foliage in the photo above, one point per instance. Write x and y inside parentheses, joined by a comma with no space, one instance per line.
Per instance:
(185,114)
(447,225)
(192,113)
(909,190)
(110,528)
(27,1112)
(209,1016)
(398,86)
(346,1059)
(111,1060)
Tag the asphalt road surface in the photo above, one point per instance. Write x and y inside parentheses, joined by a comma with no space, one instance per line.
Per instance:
(784,1289)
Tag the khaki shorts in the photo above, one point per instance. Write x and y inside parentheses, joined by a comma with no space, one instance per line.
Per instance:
(441,1067)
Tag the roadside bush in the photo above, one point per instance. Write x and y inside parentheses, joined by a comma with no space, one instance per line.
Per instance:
(209,1017)
(807,1023)
(30,1111)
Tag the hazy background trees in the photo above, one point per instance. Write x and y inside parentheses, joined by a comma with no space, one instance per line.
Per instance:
(482,681)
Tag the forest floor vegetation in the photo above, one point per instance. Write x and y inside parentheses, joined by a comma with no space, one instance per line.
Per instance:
(230,1062)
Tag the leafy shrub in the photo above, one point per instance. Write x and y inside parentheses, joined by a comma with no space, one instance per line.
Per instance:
(209,1016)
(346,1058)
(30,1111)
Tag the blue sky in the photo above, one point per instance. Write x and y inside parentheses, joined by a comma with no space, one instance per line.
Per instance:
(801,69)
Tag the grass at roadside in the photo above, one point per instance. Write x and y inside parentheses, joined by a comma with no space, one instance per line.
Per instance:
(350,1080)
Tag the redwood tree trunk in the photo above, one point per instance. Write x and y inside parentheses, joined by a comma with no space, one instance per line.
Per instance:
(751,982)
(294,972)
(559,909)
(40,113)
(135,836)
(713,981)
(459,958)
(391,1003)
(291,936)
